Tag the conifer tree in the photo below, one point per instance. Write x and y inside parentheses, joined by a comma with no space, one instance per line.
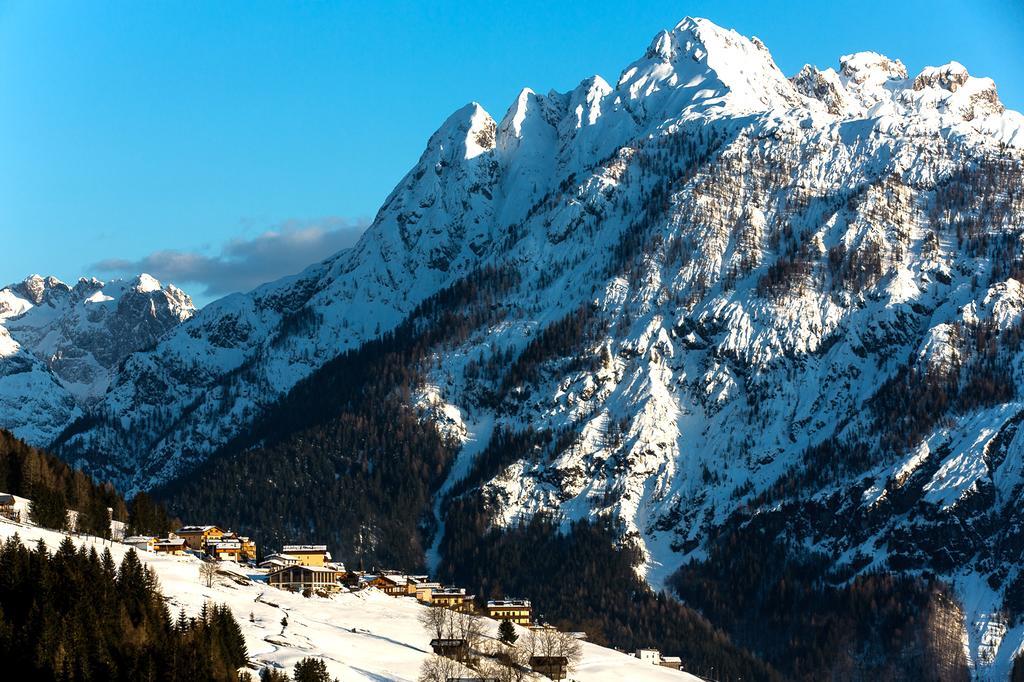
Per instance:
(507,632)
(270,675)
(48,508)
(94,519)
(75,617)
(311,670)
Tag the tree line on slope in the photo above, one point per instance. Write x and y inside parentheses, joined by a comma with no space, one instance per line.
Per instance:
(344,458)
(979,374)
(306,670)
(812,623)
(76,616)
(584,578)
(54,487)
(560,339)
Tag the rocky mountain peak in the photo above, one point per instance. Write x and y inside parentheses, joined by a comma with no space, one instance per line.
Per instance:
(702,64)
(864,67)
(824,86)
(87,285)
(584,103)
(73,339)
(466,134)
(37,288)
(146,283)
(948,77)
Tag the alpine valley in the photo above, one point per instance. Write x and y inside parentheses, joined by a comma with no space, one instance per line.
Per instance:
(763,332)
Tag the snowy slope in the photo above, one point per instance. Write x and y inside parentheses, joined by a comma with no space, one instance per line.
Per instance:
(769,265)
(32,401)
(360,636)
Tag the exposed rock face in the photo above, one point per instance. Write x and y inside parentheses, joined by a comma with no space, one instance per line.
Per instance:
(949,77)
(801,292)
(64,344)
(824,86)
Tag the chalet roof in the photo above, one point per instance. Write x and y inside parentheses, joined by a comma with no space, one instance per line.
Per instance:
(671,659)
(196,529)
(303,549)
(282,557)
(508,603)
(448,642)
(168,542)
(309,569)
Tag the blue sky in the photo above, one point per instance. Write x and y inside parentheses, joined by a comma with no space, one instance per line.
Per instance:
(228,142)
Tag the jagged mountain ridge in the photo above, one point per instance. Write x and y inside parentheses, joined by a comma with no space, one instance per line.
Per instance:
(766,265)
(451,213)
(61,345)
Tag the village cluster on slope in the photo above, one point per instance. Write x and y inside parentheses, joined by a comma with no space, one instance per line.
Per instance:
(357,633)
(309,569)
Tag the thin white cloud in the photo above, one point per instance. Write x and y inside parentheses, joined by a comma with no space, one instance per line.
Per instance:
(243,264)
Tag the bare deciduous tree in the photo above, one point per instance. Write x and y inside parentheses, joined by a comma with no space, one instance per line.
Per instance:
(207,571)
(509,664)
(435,620)
(551,642)
(444,623)
(440,669)
(468,627)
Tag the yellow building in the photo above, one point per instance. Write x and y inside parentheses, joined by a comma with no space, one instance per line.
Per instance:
(307,555)
(225,550)
(393,584)
(452,598)
(425,592)
(519,611)
(196,537)
(421,587)
(248,548)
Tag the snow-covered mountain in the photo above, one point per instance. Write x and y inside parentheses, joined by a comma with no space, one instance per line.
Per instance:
(801,287)
(61,345)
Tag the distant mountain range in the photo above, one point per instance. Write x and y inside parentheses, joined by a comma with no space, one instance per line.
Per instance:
(61,346)
(728,302)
